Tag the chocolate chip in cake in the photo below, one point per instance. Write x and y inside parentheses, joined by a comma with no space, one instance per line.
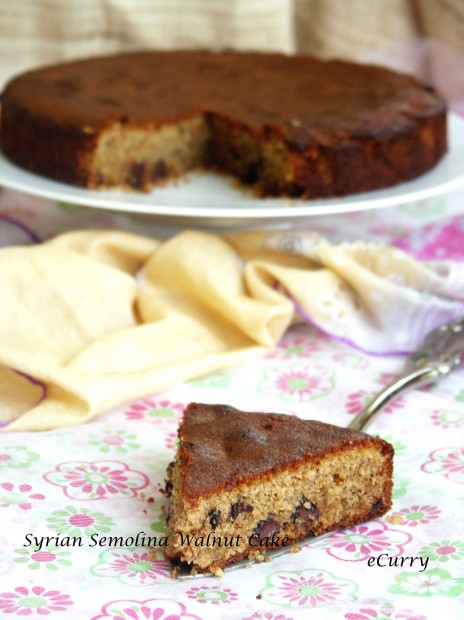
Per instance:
(377,507)
(136,176)
(252,172)
(159,170)
(267,528)
(168,488)
(238,508)
(214,517)
(306,511)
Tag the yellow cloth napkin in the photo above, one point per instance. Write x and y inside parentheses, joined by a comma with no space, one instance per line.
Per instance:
(90,320)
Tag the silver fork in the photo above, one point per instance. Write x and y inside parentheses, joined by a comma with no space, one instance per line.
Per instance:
(441,352)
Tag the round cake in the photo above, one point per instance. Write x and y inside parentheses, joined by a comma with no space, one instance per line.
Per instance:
(288,125)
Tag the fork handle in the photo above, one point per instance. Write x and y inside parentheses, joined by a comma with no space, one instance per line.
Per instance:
(404,383)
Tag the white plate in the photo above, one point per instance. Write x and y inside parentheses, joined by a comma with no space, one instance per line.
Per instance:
(212,200)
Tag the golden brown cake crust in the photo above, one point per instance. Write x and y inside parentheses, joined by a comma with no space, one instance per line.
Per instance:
(222,447)
(340,127)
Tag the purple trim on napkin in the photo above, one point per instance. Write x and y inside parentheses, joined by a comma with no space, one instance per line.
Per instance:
(346,341)
(25,229)
(34,382)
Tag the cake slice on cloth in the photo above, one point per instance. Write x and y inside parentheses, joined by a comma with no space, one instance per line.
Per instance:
(243,483)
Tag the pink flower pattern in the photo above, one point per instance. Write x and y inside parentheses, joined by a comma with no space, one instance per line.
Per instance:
(300,383)
(18,495)
(26,601)
(356,401)
(358,543)
(416,515)
(382,611)
(171,441)
(448,462)
(446,418)
(97,480)
(132,567)
(211,594)
(268,615)
(293,347)
(150,609)
(154,411)
(308,588)
(437,241)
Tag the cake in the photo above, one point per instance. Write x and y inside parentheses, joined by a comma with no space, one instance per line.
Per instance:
(286,125)
(243,483)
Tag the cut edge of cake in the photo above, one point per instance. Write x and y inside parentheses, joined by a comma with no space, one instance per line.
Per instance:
(239,485)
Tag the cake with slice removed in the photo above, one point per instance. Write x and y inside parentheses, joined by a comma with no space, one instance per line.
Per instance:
(286,125)
(243,483)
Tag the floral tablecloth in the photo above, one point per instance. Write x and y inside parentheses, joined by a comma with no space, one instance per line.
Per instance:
(78,505)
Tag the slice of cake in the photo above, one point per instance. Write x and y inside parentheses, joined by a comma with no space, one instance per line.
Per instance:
(243,483)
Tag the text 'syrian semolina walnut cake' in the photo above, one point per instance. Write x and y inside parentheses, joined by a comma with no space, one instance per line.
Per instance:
(243,483)
(288,125)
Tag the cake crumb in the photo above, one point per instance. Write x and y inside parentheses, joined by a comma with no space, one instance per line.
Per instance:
(259,596)
(218,572)
(394,518)
(295,549)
